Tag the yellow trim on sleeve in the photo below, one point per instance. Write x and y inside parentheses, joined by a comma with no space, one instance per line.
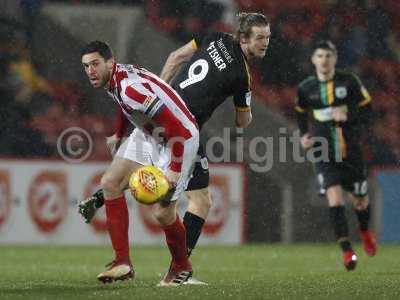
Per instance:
(243,109)
(364,102)
(299,109)
(194,44)
(367,97)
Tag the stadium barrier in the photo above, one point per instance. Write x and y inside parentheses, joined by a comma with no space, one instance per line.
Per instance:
(38,205)
(389,205)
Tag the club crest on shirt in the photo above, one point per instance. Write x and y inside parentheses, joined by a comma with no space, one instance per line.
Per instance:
(341,92)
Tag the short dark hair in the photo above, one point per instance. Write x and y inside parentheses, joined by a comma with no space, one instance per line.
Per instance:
(324,44)
(248,20)
(98,46)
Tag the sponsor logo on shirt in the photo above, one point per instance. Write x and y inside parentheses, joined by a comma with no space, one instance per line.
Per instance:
(325,114)
(224,51)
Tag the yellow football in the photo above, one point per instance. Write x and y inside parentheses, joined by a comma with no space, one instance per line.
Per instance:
(148,184)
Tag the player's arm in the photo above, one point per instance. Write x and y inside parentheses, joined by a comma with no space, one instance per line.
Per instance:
(365,116)
(113,142)
(242,101)
(362,99)
(176,59)
(302,119)
(243,117)
(121,124)
(301,112)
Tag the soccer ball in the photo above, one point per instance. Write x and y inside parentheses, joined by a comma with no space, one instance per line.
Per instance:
(148,184)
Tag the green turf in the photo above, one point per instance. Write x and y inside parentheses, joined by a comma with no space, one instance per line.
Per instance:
(248,272)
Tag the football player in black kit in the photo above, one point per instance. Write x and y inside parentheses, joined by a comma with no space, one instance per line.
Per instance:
(205,72)
(341,108)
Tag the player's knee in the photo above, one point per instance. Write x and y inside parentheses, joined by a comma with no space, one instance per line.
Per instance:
(205,199)
(109,184)
(200,201)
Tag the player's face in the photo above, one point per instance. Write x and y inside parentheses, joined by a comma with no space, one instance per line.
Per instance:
(324,61)
(257,42)
(97,69)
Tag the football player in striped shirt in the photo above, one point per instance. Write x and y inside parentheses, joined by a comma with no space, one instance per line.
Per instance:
(166,135)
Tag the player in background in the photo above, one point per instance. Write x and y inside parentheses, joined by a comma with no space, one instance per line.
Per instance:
(341,108)
(205,72)
(166,135)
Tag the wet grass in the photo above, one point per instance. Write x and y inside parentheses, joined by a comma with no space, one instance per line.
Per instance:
(247,272)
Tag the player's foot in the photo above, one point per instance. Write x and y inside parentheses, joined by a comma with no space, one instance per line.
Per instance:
(349,260)
(89,206)
(193,281)
(369,242)
(119,269)
(176,277)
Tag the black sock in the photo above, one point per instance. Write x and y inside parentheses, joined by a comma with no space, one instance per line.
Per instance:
(193,225)
(340,227)
(363,218)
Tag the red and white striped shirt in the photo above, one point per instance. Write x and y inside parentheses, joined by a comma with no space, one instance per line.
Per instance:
(148,102)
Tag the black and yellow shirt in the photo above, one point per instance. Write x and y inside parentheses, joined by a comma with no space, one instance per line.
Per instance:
(346,92)
(217,70)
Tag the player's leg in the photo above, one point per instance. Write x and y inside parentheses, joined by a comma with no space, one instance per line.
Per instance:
(340,226)
(198,207)
(337,213)
(363,213)
(199,201)
(330,179)
(357,186)
(133,153)
(175,233)
(113,182)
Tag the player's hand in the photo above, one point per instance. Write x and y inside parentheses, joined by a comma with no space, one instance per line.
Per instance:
(339,115)
(172,178)
(113,142)
(306,141)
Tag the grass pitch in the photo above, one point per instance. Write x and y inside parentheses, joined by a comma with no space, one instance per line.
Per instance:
(246,272)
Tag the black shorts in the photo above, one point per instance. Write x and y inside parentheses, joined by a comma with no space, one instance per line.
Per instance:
(351,176)
(200,177)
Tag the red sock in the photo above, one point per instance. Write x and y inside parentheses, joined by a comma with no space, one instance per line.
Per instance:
(175,235)
(117,225)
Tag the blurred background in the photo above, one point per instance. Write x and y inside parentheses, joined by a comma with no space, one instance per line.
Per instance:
(44,91)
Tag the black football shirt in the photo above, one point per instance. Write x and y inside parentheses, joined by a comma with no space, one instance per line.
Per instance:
(345,91)
(216,71)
